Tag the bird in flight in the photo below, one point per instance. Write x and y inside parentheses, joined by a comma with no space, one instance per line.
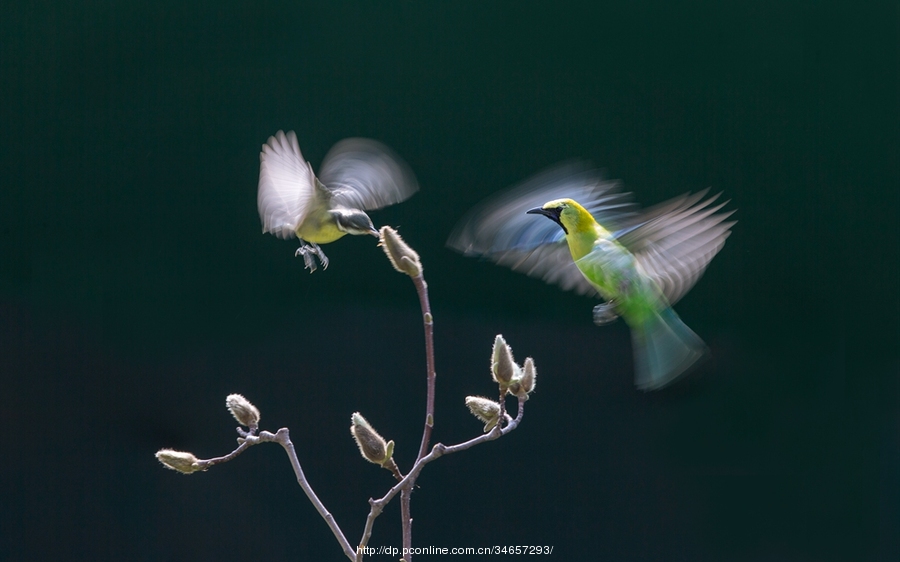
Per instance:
(598,242)
(356,175)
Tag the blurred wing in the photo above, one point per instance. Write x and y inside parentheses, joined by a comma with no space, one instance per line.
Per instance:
(674,242)
(500,223)
(550,262)
(286,185)
(365,174)
(500,230)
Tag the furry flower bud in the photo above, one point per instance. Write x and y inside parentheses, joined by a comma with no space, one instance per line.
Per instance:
(524,384)
(529,376)
(402,257)
(243,411)
(185,463)
(371,445)
(484,409)
(503,368)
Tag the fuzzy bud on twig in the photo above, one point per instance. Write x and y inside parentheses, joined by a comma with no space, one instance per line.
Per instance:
(503,368)
(371,445)
(185,463)
(484,409)
(243,411)
(529,376)
(403,258)
(523,386)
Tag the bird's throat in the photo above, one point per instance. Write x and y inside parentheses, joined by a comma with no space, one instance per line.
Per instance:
(581,243)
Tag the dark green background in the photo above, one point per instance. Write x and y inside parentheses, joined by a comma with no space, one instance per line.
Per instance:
(136,290)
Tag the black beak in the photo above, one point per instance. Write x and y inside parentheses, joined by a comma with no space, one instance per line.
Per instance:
(552,214)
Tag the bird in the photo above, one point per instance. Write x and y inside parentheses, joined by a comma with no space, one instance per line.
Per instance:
(357,175)
(599,242)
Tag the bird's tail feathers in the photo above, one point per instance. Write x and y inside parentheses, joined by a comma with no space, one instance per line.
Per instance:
(664,349)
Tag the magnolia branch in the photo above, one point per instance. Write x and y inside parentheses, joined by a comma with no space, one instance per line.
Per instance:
(511,378)
(439,450)
(248,439)
(428,321)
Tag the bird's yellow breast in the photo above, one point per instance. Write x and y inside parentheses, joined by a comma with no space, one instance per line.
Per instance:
(319,230)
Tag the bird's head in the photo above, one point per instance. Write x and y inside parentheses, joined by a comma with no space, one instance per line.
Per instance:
(565,212)
(354,221)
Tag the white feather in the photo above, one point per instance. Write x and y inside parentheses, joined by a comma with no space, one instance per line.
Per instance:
(365,174)
(286,185)
(675,241)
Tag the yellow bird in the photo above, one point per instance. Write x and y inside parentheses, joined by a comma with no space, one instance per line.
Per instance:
(356,175)
(599,243)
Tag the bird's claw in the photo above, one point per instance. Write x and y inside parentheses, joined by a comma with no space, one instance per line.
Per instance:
(605,313)
(310,252)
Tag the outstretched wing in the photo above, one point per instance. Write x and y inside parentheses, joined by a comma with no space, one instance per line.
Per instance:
(674,241)
(286,185)
(365,174)
(550,262)
(500,230)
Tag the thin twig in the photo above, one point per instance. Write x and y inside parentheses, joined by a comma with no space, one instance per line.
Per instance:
(502,402)
(282,437)
(284,440)
(406,518)
(205,464)
(431,375)
(374,512)
(439,450)
(395,470)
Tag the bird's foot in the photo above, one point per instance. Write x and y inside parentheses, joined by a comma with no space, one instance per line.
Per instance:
(322,257)
(310,252)
(605,313)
